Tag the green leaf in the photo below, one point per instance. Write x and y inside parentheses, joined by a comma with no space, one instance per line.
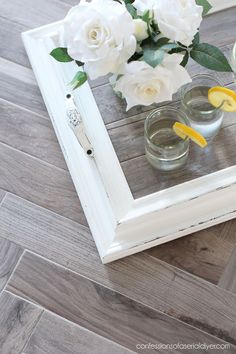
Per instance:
(162,41)
(135,56)
(205,4)
(147,42)
(182,45)
(185,59)
(132,10)
(79,79)
(177,50)
(61,54)
(146,16)
(153,57)
(182,51)
(162,44)
(79,63)
(210,57)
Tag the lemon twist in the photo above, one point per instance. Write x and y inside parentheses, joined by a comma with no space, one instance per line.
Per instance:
(223,98)
(184,131)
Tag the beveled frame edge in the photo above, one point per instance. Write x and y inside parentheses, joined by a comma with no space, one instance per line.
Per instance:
(121,225)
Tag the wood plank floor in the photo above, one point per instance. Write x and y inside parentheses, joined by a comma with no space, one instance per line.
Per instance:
(17,322)
(55,295)
(54,335)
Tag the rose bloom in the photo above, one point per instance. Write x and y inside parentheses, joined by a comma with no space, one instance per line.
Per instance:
(178,20)
(140,29)
(100,34)
(144,85)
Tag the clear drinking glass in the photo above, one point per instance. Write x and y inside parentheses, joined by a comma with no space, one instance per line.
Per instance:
(203,117)
(165,151)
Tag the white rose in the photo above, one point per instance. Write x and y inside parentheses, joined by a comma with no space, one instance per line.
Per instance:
(177,20)
(144,85)
(99,33)
(140,29)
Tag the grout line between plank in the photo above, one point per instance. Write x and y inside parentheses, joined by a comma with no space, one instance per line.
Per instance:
(17,263)
(14,21)
(45,311)
(83,227)
(194,277)
(3,199)
(25,109)
(225,272)
(35,158)
(33,330)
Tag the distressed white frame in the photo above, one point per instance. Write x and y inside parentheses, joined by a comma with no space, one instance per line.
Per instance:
(120,224)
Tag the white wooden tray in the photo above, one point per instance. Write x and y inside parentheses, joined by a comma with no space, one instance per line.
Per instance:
(120,224)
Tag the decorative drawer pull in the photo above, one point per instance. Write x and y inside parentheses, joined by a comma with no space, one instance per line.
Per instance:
(76,123)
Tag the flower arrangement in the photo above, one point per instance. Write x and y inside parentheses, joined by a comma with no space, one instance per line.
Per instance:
(145,44)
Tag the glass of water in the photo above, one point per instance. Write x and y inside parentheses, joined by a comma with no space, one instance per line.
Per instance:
(165,150)
(203,117)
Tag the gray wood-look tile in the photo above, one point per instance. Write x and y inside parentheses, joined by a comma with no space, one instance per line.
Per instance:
(54,335)
(9,256)
(70,2)
(228,278)
(12,47)
(39,182)
(97,308)
(34,14)
(17,320)
(30,133)
(219,28)
(203,254)
(18,85)
(2,195)
(172,291)
(227,232)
